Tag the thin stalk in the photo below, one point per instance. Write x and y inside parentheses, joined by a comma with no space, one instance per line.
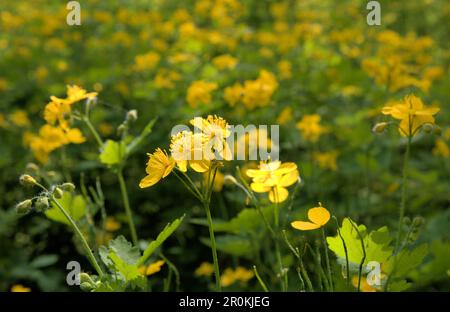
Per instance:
(261,282)
(327,259)
(93,131)
(363,258)
(126,203)
(77,232)
(346,252)
(213,245)
(404,193)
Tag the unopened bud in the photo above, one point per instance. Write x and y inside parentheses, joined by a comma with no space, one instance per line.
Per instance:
(42,204)
(86,286)
(58,193)
(132,115)
(32,167)
(428,128)
(24,207)
(68,187)
(85,278)
(27,180)
(418,221)
(121,129)
(380,127)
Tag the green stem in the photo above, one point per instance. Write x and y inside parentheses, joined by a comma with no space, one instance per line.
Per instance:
(404,193)
(327,260)
(126,203)
(93,131)
(213,245)
(261,282)
(80,236)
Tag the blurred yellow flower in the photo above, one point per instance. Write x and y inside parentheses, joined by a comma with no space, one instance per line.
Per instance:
(152,268)
(285,69)
(20,288)
(326,160)
(311,128)
(159,166)
(258,92)
(20,118)
(231,276)
(285,116)
(111,224)
(205,269)
(441,149)
(412,113)
(274,177)
(233,94)
(319,216)
(199,93)
(146,62)
(224,61)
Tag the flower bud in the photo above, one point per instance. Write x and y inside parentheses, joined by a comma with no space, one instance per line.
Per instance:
(24,207)
(86,286)
(418,221)
(32,167)
(58,193)
(85,278)
(68,187)
(428,128)
(42,204)
(380,127)
(132,115)
(121,129)
(27,180)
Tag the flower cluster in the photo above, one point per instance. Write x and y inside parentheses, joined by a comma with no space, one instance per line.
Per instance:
(58,132)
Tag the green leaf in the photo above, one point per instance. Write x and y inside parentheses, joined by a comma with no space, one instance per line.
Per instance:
(404,262)
(74,205)
(377,244)
(122,248)
(112,153)
(435,268)
(128,271)
(168,230)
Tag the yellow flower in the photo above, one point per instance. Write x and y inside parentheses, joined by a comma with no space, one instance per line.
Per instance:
(111,224)
(20,118)
(205,269)
(159,166)
(215,130)
(165,79)
(311,128)
(224,61)
(285,116)
(231,276)
(274,177)
(319,216)
(259,92)
(56,111)
(199,93)
(326,160)
(441,149)
(152,268)
(20,288)
(188,148)
(233,94)
(74,95)
(412,113)
(365,287)
(285,69)
(145,62)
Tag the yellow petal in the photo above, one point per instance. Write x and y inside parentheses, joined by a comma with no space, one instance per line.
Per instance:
(319,215)
(289,179)
(150,180)
(199,165)
(278,194)
(304,226)
(259,187)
